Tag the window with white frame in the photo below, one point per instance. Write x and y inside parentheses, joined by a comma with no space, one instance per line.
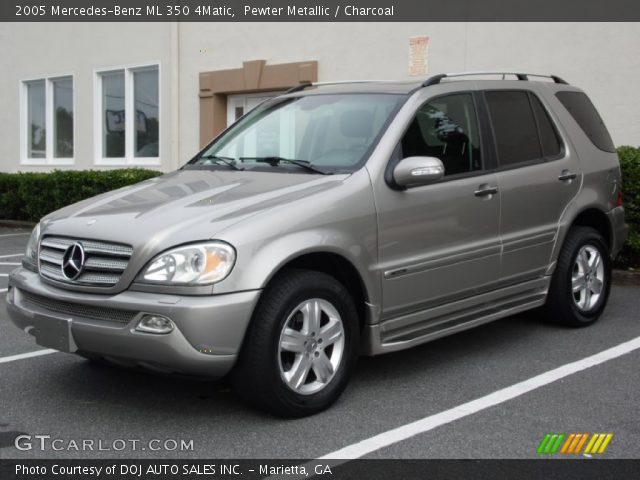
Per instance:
(47,121)
(128,116)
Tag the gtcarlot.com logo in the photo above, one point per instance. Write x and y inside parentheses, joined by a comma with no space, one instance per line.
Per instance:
(574,443)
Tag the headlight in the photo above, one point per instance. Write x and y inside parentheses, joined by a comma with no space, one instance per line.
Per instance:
(31,254)
(195,264)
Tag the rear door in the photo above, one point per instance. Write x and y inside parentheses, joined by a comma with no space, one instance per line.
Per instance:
(537,176)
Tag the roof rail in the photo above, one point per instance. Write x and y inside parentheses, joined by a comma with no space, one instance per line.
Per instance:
(299,87)
(435,79)
(302,85)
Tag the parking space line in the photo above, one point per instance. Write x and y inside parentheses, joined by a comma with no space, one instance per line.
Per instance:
(404,432)
(12,255)
(10,263)
(14,234)
(4,274)
(22,356)
(3,290)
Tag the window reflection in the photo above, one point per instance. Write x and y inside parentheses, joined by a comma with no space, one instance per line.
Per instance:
(113,129)
(63,117)
(146,111)
(36,120)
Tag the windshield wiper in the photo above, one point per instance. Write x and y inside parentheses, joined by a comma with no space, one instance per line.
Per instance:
(230,162)
(274,161)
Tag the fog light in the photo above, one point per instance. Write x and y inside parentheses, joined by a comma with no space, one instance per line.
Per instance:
(10,294)
(154,324)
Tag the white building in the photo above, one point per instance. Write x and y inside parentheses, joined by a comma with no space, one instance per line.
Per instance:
(70,90)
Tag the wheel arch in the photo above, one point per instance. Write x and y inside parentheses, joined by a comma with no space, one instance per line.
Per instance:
(592,216)
(338,267)
(597,219)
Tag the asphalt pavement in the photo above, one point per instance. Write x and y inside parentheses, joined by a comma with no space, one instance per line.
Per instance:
(68,398)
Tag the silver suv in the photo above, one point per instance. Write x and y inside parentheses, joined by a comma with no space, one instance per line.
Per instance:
(332,221)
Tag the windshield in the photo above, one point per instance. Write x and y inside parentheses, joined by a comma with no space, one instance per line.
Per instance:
(331,132)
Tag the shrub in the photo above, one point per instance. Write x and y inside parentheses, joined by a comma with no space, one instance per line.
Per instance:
(30,196)
(630,165)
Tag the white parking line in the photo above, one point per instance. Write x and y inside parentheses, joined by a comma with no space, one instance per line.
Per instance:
(4,274)
(3,290)
(22,356)
(14,234)
(10,263)
(13,255)
(426,424)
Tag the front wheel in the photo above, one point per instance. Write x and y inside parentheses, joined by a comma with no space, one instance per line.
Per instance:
(301,346)
(581,282)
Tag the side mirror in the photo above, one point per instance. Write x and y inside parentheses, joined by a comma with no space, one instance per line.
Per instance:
(417,171)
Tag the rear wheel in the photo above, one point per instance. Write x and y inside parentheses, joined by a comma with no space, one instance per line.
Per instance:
(301,346)
(581,282)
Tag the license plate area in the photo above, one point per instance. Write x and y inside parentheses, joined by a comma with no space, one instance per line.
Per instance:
(54,333)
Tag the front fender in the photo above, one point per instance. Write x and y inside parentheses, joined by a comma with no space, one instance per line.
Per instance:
(258,265)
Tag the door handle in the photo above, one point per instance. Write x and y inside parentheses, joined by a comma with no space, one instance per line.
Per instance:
(485,190)
(567,176)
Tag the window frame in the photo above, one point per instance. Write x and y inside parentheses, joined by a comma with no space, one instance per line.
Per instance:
(49,159)
(486,154)
(554,124)
(129,158)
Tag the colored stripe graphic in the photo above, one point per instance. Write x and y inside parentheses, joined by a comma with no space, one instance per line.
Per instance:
(594,437)
(565,447)
(572,443)
(551,442)
(543,443)
(581,443)
(605,443)
(555,447)
(598,443)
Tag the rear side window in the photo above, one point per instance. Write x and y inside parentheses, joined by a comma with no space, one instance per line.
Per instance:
(514,127)
(549,138)
(586,115)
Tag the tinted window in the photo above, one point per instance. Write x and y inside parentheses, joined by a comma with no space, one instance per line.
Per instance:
(446,128)
(549,138)
(514,127)
(586,115)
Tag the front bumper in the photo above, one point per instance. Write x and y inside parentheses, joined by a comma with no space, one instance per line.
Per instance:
(206,339)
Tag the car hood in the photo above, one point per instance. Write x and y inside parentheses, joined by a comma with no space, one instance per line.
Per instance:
(183,206)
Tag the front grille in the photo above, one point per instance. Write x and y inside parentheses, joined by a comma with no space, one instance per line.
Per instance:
(104,262)
(77,310)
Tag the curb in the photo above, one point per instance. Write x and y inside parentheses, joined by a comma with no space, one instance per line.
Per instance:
(17,224)
(626,277)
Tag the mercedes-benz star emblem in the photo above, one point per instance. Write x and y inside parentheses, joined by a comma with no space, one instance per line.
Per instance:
(73,261)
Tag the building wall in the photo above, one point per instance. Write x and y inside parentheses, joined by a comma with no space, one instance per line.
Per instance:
(43,49)
(597,57)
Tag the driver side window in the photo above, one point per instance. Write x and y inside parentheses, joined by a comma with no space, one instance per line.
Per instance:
(446,128)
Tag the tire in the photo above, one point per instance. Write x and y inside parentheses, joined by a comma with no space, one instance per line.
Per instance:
(580,252)
(276,373)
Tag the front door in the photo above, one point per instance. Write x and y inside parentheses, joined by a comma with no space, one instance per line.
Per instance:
(440,242)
